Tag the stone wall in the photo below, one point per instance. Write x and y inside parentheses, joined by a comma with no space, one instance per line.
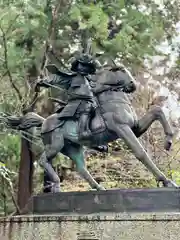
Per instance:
(137,226)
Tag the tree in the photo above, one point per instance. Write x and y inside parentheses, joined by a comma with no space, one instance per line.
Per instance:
(18,26)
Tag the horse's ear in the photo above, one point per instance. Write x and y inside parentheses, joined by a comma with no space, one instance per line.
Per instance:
(52,69)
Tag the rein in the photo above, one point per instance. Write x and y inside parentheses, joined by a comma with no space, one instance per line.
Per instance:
(113,89)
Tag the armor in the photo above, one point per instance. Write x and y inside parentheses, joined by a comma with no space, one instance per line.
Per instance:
(81,102)
(84,66)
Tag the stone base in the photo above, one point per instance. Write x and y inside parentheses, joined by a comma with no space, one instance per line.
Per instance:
(110,201)
(132,214)
(134,226)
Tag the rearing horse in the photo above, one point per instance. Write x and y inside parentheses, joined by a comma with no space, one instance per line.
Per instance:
(114,118)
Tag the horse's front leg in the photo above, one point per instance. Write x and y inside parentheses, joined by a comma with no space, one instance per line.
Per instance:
(145,122)
(125,132)
(75,153)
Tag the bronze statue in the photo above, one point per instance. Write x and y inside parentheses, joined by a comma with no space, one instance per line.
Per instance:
(112,118)
(81,101)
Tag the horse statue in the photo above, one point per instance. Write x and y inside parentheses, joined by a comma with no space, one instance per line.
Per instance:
(113,118)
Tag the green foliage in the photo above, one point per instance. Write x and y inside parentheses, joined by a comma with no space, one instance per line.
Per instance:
(141,26)
(5,173)
(6,176)
(9,165)
(23,27)
(175,174)
(10,150)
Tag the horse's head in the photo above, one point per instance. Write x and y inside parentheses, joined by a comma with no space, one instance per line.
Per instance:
(125,79)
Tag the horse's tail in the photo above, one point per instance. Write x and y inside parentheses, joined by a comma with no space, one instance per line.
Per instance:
(25,122)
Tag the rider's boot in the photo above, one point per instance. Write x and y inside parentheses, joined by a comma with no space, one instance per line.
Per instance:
(84,131)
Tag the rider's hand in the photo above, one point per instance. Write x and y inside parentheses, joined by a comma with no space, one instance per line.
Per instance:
(38,85)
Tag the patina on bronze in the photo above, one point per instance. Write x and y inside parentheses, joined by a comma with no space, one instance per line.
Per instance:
(113,118)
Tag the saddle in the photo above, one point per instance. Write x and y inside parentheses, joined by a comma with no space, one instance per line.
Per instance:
(51,123)
(97,123)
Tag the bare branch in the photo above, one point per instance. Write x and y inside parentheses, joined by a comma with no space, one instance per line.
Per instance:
(51,31)
(47,49)
(14,199)
(44,60)
(7,64)
(56,58)
(12,23)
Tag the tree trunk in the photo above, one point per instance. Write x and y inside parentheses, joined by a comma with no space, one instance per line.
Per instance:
(25,181)
(26,168)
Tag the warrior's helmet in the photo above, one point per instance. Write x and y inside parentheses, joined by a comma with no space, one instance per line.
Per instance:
(85,64)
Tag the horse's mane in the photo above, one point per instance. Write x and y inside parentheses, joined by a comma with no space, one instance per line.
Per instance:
(109,68)
(107,74)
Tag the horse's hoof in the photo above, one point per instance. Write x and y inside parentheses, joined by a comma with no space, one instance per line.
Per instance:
(103,149)
(168,144)
(98,189)
(101,189)
(55,188)
(170,184)
(166,183)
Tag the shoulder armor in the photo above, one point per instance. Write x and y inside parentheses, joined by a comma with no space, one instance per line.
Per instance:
(54,70)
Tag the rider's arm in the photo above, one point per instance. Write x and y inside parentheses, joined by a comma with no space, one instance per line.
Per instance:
(55,80)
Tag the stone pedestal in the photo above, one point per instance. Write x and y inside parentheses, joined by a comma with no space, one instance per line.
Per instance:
(113,201)
(123,226)
(136,214)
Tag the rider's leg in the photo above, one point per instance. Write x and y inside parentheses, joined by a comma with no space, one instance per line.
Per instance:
(85,115)
(84,130)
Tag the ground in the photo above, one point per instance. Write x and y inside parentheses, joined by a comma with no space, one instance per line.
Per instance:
(112,171)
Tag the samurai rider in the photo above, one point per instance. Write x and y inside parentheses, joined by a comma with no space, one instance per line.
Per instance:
(81,101)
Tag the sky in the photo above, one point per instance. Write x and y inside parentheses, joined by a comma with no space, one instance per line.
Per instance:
(171,105)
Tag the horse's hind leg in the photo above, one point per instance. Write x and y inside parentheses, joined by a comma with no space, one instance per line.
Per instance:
(75,153)
(125,132)
(48,184)
(145,122)
(53,143)
(46,163)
